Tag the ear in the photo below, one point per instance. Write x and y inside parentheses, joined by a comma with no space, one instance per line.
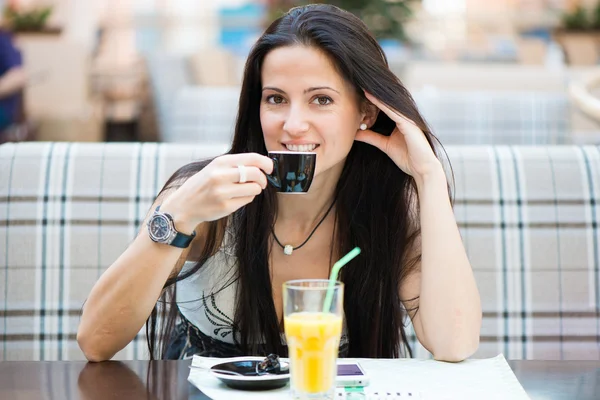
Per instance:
(370,113)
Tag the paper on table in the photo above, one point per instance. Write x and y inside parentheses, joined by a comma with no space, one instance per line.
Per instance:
(489,379)
(474,379)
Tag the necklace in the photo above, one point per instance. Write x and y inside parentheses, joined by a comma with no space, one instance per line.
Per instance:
(288,249)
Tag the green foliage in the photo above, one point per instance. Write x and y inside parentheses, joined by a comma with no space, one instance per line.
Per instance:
(385,18)
(576,20)
(596,17)
(27,21)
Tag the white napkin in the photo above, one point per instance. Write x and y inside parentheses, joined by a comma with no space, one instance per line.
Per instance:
(475,379)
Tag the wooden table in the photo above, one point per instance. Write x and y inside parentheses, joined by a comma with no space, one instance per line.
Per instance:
(66,380)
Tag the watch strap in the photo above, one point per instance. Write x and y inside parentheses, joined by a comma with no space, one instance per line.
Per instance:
(182,241)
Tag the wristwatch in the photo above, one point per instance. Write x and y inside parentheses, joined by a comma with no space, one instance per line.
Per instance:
(161,229)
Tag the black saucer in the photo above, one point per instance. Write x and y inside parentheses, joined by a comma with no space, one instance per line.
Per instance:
(248,379)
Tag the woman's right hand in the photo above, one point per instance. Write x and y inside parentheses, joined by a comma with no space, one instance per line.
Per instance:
(216,191)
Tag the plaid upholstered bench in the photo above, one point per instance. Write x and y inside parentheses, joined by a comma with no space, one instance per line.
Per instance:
(529,218)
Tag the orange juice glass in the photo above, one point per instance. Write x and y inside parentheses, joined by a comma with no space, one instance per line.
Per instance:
(313,336)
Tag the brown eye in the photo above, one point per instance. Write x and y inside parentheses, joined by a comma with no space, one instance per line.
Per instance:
(275,99)
(323,100)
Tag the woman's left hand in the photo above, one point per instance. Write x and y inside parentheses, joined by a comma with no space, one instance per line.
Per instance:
(406,146)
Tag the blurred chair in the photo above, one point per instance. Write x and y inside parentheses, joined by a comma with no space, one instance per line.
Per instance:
(531,50)
(584,92)
(493,117)
(581,94)
(207,114)
(483,77)
(204,114)
(183,117)
(167,73)
(215,67)
(59,99)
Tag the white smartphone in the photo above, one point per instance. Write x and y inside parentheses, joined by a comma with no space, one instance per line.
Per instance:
(351,375)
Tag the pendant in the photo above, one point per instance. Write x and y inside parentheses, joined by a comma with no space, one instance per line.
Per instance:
(288,249)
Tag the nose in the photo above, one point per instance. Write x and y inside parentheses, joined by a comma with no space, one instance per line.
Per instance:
(296,122)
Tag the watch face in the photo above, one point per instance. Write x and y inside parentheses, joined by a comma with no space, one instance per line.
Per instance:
(159,227)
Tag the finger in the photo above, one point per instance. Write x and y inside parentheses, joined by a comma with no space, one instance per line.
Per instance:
(242,190)
(372,138)
(394,115)
(253,174)
(249,159)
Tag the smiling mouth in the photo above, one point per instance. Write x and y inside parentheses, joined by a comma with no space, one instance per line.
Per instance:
(301,147)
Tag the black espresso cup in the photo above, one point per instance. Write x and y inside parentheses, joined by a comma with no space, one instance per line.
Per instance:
(293,171)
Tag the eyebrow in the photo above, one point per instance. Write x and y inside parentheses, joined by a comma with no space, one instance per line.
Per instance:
(311,89)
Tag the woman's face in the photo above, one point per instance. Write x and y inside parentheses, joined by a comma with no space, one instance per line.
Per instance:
(307,106)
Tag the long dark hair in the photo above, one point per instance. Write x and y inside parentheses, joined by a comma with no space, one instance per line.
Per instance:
(377,207)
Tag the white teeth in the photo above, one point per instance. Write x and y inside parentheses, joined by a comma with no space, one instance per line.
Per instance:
(301,147)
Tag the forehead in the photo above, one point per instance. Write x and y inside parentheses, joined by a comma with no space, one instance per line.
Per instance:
(299,65)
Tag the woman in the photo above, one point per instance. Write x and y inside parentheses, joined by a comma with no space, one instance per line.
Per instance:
(315,81)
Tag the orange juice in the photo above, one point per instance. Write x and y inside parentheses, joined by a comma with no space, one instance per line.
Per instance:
(313,339)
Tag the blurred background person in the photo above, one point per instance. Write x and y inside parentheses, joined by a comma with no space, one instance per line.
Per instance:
(13,79)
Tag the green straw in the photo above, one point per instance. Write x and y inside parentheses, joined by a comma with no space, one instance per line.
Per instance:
(333,276)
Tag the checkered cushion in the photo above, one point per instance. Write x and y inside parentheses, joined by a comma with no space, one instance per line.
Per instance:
(529,220)
(66,213)
(528,215)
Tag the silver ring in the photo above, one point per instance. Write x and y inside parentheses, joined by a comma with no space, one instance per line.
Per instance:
(243,175)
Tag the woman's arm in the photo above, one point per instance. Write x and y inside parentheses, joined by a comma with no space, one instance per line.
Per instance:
(12,81)
(122,299)
(124,296)
(448,319)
